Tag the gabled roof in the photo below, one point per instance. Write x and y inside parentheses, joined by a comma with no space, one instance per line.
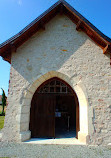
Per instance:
(62,7)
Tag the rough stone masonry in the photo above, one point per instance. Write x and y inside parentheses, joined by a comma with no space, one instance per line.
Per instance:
(73,56)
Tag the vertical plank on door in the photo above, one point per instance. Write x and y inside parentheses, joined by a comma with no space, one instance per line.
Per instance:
(43,121)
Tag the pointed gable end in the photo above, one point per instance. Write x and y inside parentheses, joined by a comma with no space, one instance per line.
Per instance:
(61,7)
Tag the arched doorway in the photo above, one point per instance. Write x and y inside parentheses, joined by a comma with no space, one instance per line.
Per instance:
(54,110)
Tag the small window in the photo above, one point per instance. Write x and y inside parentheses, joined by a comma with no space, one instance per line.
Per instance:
(55,86)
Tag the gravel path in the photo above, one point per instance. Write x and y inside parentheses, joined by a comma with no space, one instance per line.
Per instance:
(23,150)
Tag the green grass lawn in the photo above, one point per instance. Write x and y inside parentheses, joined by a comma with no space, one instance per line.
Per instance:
(1,119)
(4,157)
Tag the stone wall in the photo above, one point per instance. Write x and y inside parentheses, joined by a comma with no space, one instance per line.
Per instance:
(60,48)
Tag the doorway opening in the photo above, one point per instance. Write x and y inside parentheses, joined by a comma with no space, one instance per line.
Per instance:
(65,117)
(54,111)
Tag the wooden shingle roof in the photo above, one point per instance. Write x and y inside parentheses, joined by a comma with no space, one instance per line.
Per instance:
(60,7)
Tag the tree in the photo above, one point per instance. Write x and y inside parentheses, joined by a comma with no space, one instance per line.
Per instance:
(3,102)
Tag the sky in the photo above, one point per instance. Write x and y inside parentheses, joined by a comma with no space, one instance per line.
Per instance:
(16,14)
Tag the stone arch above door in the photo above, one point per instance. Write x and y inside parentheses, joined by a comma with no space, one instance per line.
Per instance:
(78,89)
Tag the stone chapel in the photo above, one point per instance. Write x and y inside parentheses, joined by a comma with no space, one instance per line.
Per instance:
(60,79)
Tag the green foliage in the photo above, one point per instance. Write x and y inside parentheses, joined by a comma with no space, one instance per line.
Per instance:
(3,102)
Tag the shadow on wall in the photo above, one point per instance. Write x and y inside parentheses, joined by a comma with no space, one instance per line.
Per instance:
(52,49)
(59,48)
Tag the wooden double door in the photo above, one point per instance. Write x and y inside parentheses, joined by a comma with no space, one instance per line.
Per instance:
(42,115)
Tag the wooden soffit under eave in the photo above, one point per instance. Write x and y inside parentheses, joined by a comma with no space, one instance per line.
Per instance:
(6,56)
(61,7)
(84,25)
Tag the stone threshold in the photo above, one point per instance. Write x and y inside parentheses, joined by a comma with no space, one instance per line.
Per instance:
(56,141)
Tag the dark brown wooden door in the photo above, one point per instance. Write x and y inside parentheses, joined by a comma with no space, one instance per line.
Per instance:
(42,114)
(43,119)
